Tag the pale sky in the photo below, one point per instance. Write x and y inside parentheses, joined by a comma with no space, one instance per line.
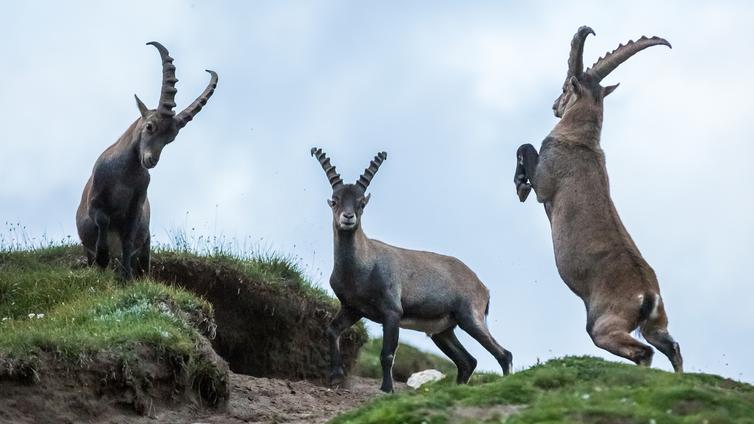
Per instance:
(449,90)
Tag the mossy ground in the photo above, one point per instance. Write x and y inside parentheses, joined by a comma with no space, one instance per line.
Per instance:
(51,301)
(570,390)
(408,360)
(49,304)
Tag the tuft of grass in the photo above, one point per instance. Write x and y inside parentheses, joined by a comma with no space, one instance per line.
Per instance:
(408,360)
(247,256)
(570,390)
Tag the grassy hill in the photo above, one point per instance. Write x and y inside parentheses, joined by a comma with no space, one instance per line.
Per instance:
(570,390)
(75,341)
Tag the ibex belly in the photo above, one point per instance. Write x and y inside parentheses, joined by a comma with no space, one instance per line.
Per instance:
(429,326)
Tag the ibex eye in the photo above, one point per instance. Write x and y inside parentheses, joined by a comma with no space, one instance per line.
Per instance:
(150,127)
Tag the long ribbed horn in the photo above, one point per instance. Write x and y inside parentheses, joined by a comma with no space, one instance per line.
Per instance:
(576,58)
(605,65)
(167,95)
(330,172)
(188,114)
(368,174)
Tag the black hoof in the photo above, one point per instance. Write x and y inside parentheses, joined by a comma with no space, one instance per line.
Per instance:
(337,378)
(508,366)
(523,191)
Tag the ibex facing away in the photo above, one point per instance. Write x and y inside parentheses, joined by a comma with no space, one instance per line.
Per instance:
(594,253)
(400,288)
(113,215)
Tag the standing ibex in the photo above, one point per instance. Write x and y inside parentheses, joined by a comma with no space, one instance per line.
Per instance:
(114,211)
(594,253)
(400,288)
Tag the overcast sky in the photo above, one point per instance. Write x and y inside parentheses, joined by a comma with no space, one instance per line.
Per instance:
(449,90)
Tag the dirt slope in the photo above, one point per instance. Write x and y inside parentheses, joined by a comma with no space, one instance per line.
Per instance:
(267,400)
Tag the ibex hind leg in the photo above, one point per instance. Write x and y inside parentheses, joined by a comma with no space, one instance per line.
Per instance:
(664,342)
(655,331)
(612,334)
(473,323)
(452,347)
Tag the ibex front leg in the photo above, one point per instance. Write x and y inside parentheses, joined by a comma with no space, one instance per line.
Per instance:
(390,331)
(527,159)
(128,235)
(102,249)
(344,319)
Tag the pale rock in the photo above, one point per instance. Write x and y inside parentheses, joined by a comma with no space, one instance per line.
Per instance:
(420,378)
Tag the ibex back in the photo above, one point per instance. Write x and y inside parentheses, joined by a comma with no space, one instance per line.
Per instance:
(400,288)
(113,216)
(594,253)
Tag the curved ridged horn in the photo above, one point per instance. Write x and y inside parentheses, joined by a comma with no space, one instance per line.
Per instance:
(576,58)
(607,64)
(368,174)
(167,95)
(330,172)
(188,114)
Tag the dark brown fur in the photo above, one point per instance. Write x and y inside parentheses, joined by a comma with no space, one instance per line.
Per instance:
(113,216)
(595,255)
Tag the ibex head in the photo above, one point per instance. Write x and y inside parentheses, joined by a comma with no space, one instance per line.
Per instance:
(584,86)
(348,200)
(160,126)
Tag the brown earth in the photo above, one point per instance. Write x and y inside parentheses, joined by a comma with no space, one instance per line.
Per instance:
(72,399)
(48,389)
(269,400)
(263,330)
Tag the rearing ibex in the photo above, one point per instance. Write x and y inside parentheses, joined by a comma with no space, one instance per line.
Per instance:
(114,211)
(594,253)
(400,288)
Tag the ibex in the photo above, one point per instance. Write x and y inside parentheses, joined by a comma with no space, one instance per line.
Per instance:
(594,253)
(113,215)
(400,288)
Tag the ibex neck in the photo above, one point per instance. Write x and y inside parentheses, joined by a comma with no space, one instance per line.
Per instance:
(579,126)
(351,249)
(127,146)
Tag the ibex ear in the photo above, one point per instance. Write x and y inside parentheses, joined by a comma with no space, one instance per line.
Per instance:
(574,82)
(609,89)
(366,199)
(143,109)
(331,203)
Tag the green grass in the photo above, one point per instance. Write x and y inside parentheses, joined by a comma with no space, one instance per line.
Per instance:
(408,360)
(46,305)
(274,269)
(571,390)
(50,301)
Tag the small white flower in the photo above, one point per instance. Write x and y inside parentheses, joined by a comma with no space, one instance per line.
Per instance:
(5,318)
(31,316)
(40,316)
(585,396)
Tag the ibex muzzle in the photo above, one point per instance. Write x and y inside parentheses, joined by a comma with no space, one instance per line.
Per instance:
(594,253)
(113,216)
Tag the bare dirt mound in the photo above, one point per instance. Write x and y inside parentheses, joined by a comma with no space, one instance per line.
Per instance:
(104,386)
(266,400)
(264,330)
